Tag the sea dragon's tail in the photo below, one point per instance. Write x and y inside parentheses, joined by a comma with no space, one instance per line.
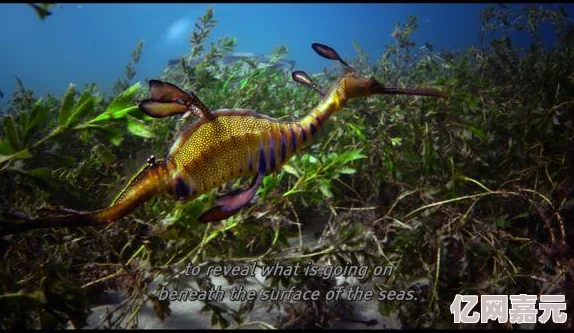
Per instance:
(148,182)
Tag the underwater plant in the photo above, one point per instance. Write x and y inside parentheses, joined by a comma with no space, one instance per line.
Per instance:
(471,194)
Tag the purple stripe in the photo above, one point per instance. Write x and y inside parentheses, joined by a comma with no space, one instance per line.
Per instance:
(272,152)
(293,139)
(313,129)
(303,133)
(181,189)
(283,144)
(262,163)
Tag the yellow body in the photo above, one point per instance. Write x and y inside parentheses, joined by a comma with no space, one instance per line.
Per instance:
(212,152)
(219,150)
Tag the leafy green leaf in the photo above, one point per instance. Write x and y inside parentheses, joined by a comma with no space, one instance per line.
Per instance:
(243,83)
(139,128)
(352,155)
(114,135)
(325,188)
(478,132)
(114,115)
(42,173)
(289,169)
(38,116)
(12,132)
(347,170)
(125,99)
(23,118)
(359,132)
(67,105)
(21,155)
(85,104)
(120,106)
(4,158)
(5,147)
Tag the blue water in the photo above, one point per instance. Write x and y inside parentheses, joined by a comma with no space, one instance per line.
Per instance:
(83,43)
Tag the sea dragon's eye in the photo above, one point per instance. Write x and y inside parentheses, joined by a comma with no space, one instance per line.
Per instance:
(151,161)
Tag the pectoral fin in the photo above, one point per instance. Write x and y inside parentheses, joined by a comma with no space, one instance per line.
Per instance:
(168,99)
(230,203)
(167,92)
(162,109)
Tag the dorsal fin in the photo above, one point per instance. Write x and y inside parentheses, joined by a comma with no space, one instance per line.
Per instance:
(168,99)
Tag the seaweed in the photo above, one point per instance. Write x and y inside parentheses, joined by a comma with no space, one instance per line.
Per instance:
(42,9)
(468,195)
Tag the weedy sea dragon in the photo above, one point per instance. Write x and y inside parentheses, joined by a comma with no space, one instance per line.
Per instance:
(223,145)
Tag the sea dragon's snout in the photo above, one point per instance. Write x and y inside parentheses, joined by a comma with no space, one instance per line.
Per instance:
(375,87)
